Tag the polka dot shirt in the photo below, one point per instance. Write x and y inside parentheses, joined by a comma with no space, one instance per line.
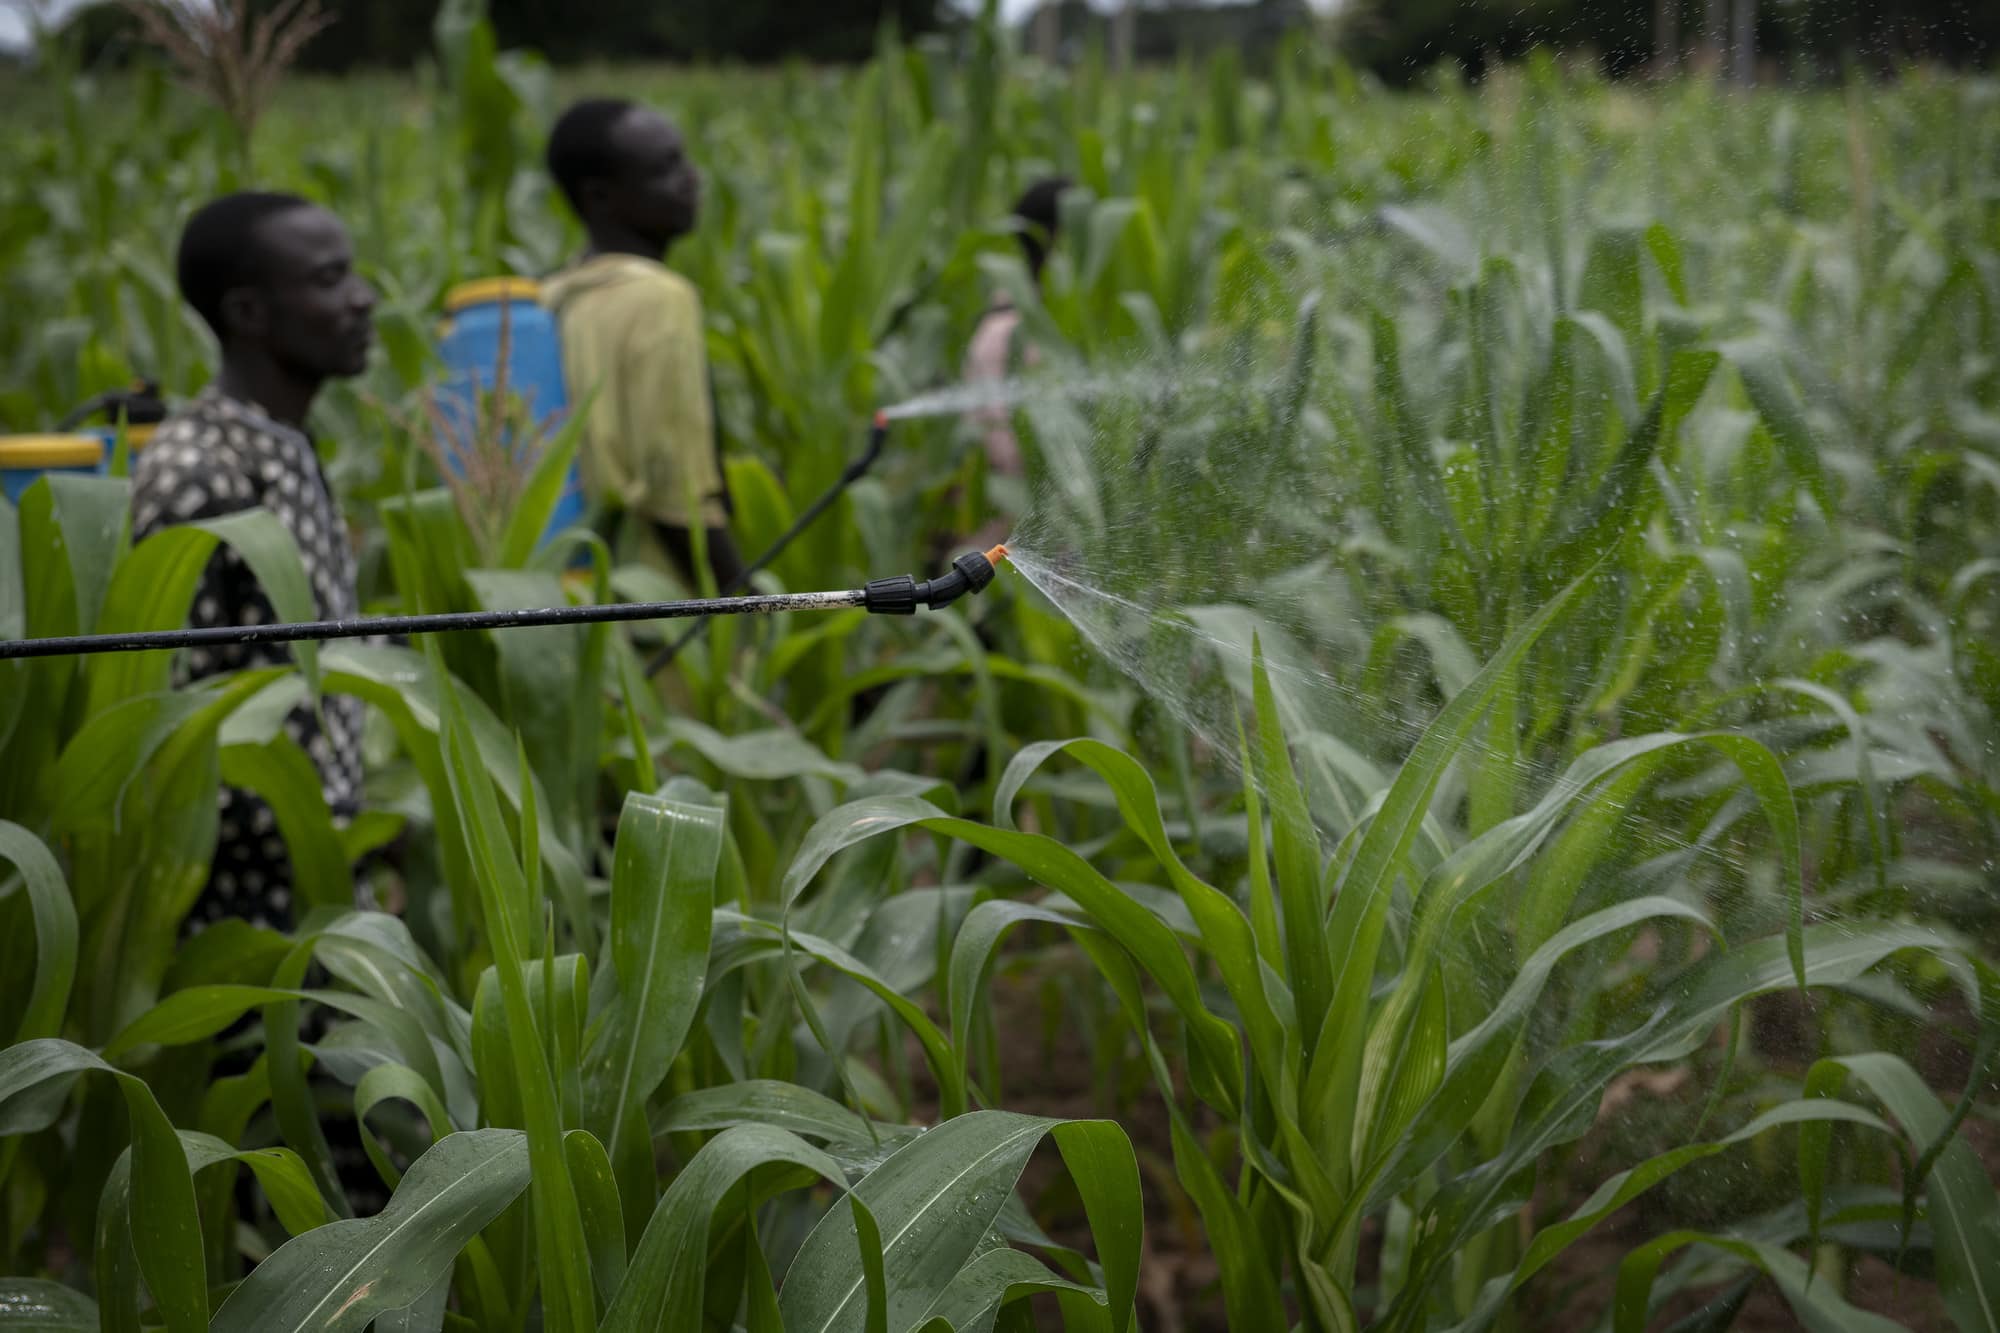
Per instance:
(218,457)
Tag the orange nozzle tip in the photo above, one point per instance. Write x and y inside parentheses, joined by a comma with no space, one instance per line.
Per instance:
(997,554)
(881,420)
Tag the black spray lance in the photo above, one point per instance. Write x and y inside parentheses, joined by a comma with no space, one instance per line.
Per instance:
(898,596)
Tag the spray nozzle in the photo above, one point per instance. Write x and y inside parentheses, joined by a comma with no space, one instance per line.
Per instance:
(902,595)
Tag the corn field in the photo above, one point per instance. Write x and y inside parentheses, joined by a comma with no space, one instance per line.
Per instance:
(1488,809)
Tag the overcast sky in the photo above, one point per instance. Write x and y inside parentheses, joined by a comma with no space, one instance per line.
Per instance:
(14,26)
(14,18)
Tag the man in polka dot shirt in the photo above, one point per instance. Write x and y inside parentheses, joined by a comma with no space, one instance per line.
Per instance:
(273,276)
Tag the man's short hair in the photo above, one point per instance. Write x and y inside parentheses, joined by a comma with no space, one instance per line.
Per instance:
(1038,208)
(219,249)
(580,144)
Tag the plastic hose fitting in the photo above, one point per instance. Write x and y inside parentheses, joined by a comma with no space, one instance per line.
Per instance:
(892,596)
(902,595)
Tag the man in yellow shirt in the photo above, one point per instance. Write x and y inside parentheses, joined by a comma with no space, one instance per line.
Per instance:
(632,336)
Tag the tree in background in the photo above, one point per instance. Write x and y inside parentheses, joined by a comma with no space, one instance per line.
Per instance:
(1400,39)
(397,32)
(1397,39)
(1164,30)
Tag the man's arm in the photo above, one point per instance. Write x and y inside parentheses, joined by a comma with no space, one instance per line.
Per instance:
(723,560)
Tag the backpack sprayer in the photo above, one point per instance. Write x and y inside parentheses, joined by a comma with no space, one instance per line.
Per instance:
(897,596)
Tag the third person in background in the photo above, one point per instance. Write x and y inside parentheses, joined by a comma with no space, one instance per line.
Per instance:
(991,358)
(632,336)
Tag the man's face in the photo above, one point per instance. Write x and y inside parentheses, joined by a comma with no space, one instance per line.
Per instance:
(657,191)
(310,306)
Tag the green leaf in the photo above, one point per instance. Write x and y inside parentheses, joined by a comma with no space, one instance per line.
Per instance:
(1962,1205)
(91,514)
(1628,1185)
(1263,899)
(36,1305)
(1819,1307)
(1226,934)
(1328,1103)
(669,1271)
(396,681)
(972,953)
(266,546)
(280,773)
(1868,793)
(286,1182)
(1604,778)
(166,1229)
(1602,521)
(55,931)
(103,761)
(994,1279)
(1823,1080)
(1403,1065)
(769,756)
(1402,427)
(1137,929)
(340,1276)
(426,1315)
(562,1253)
(1101,1161)
(1666,253)
(1562,1100)
(868,1239)
(1296,848)
(202,1011)
(662,896)
(603,1218)
(936,1198)
(770,1102)
(777,940)
(395,1082)
(151,589)
(544,487)
(1611,281)
(1764,377)
(1553,445)
(1477,1059)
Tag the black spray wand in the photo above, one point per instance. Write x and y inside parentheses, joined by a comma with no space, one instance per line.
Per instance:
(898,596)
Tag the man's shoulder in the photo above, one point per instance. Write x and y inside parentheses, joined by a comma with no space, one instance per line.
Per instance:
(622,283)
(198,444)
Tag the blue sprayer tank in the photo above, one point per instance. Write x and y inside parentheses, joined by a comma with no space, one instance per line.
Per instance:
(469,345)
(24,458)
(80,449)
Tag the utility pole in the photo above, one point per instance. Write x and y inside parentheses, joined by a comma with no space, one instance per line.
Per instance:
(1666,36)
(1743,46)
(1048,31)
(1124,24)
(1714,34)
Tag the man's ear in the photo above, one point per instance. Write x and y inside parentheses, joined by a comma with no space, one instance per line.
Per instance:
(593,194)
(245,312)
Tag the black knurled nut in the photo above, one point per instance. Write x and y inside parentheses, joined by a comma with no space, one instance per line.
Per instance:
(892,596)
(978,570)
